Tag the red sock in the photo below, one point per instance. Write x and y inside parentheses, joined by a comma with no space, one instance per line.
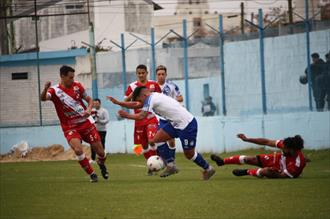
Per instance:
(86,166)
(149,153)
(101,160)
(253,172)
(232,160)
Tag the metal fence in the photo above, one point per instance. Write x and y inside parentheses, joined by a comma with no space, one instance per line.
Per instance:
(252,73)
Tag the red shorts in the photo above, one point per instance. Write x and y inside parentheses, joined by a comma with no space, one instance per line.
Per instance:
(269,160)
(142,134)
(85,131)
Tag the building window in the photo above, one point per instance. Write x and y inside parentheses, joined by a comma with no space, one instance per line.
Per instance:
(190,2)
(190,12)
(19,76)
(197,22)
(206,12)
(73,7)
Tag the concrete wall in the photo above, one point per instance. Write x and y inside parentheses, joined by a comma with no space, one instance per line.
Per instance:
(215,134)
(285,61)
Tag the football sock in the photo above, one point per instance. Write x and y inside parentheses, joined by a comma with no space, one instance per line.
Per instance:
(237,159)
(101,160)
(164,152)
(199,160)
(149,152)
(254,172)
(172,152)
(84,163)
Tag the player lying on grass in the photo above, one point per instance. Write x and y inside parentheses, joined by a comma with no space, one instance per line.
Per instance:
(76,121)
(182,124)
(289,163)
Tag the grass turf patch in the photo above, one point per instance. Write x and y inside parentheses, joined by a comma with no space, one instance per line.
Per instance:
(60,189)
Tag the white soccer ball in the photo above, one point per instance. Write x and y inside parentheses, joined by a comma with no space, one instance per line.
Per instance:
(155,163)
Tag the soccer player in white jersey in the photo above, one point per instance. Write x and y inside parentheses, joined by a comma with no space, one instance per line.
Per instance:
(182,123)
(170,89)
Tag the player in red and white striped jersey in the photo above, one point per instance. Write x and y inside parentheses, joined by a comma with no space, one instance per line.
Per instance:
(75,118)
(145,129)
(288,163)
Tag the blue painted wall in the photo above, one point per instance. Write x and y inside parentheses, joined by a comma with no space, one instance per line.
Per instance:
(216,134)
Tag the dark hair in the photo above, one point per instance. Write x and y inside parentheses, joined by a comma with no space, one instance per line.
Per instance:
(97,99)
(64,70)
(295,142)
(137,92)
(141,67)
(161,67)
(327,55)
(315,55)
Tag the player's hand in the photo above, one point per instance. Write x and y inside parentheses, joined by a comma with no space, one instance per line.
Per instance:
(122,113)
(113,100)
(87,113)
(47,85)
(242,137)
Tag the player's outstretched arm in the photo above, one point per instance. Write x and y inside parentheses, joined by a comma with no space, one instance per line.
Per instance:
(259,141)
(43,95)
(138,116)
(130,105)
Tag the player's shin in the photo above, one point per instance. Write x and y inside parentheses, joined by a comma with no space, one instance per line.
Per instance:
(84,163)
(172,152)
(255,172)
(200,161)
(101,160)
(164,152)
(237,159)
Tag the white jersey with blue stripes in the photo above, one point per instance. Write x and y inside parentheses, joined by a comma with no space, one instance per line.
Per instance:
(170,89)
(169,109)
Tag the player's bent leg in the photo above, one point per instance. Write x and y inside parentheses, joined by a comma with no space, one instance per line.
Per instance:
(198,159)
(75,144)
(258,172)
(164,152)
(160,136)
(172,148)
(97,146)
(236,159)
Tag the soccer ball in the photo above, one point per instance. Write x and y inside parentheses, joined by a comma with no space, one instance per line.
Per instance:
(155,163)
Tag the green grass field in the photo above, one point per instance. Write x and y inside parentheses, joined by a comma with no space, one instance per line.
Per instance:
(60,189)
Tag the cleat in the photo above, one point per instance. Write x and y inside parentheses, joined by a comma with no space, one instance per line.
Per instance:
(104,171)
(217,159)
(240,172)
(93,177)
(169,171)
(207,174)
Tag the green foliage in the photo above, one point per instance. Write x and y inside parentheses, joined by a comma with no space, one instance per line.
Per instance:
(38,190)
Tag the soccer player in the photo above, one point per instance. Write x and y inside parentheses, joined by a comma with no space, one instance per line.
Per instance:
(289,163)
(170,89)
(146,128)
(181,124)
(76,121)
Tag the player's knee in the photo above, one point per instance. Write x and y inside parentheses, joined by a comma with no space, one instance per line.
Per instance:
(189,154)
(171,143)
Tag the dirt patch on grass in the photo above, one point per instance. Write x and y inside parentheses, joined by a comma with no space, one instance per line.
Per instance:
(52,152)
